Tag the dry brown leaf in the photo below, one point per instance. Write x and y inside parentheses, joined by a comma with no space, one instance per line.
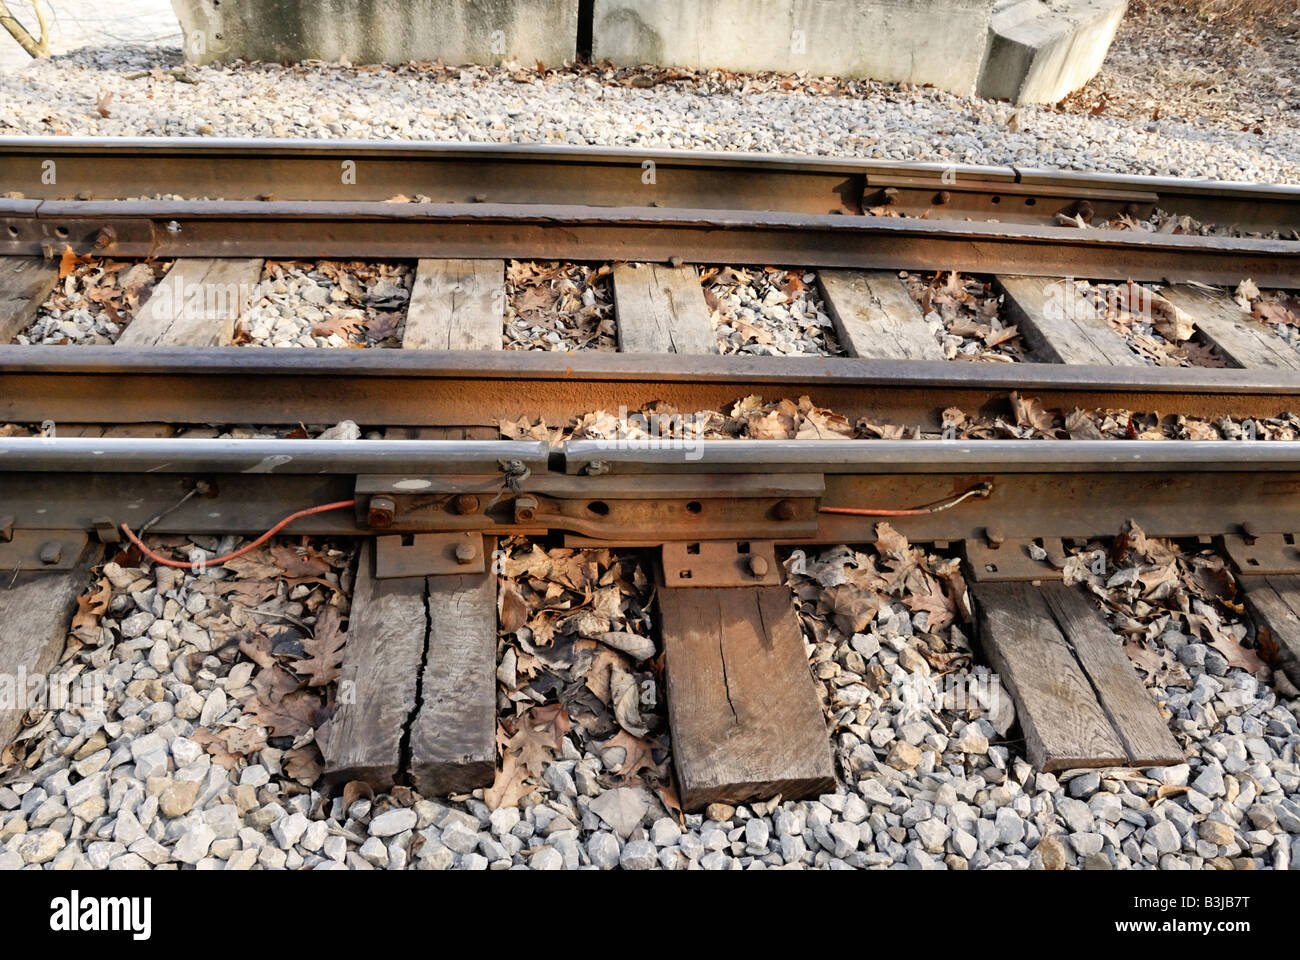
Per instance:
(525,752)
(257,649)
(639,754)
(1236,654)
(1031,413)
(355,790)
(510,785)
(298,563)
(667,792)
(217,749)
(303,765)
(291,716)
(625,699)
(92,605)
(852,607)
(596,677)
(69,262)
(512,609)
(324,649)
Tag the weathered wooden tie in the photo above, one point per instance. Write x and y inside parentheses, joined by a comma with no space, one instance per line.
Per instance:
(1062,326)
(195,304)
(456,305)
(1079,700)
(1274,604)
(661,309)
(453,736)
(36,612)
(25,282)
(1242,339)
(876,317)
(417,690)
(744,709)
(1123,696)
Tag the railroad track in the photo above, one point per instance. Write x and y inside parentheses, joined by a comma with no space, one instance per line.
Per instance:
(129,437)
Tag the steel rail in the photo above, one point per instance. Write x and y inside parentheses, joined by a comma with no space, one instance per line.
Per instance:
(155,455)
(644,494)
(235,169)
(260,456)
(671,455)
(352,229)
(222,385)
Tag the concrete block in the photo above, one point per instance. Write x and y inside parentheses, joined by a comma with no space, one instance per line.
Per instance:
(937,42)
(380,31)
(1040,51)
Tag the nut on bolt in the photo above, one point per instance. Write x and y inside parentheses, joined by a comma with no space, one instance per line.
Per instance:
(464,503)
(381,512)
(525,508)
(758,566)
(784,510)
(51,552)
(106,237)
(465,552)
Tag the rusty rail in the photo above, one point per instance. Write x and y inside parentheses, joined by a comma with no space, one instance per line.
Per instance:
(644,492)
(428,388)
(65,168)
(410,230)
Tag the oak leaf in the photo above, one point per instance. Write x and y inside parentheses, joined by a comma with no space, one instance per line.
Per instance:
(298,564)
(92,605)
(324,649)
(639,754)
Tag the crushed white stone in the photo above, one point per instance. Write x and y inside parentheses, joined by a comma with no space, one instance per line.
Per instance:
(769,114)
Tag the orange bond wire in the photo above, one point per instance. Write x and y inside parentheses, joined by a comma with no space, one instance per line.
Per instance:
(980,490)
(185,565)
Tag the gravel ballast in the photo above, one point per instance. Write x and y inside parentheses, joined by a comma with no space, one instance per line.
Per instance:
(770,114)
(186,763)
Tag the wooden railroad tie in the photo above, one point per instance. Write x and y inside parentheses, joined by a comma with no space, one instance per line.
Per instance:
(417,693)
(1274,604)
(195,304)
(1244,340)
(25,282)
(456,305)
(744,709)
(35,612)
(876,317)
(660,308)
(1079,700)
(1062,326)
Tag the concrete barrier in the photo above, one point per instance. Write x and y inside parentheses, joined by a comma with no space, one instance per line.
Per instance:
(380,31)
(938,42)
(1041,51)
(1027,51)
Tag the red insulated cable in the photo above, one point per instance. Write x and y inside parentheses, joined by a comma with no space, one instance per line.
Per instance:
(183,565)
